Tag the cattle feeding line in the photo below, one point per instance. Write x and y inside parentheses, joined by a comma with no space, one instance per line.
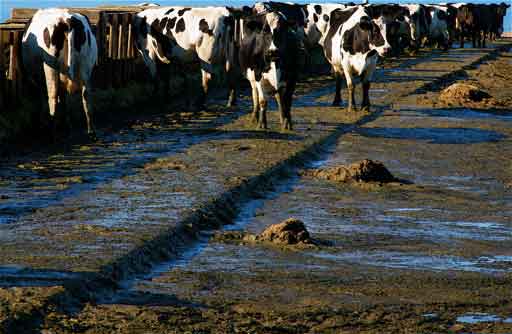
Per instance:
(247,40)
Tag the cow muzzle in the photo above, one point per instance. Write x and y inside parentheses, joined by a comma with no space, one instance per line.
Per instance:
(384,51)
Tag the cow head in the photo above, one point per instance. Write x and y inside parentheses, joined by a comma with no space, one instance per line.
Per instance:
(416,19)
(152,42)
(362,34)
(501,12)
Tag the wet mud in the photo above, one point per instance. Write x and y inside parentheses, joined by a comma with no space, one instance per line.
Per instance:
(422,257)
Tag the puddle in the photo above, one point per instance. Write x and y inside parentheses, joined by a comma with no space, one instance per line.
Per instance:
(476,318)
(430,315)
(459,114)
(435,135)
(422,262)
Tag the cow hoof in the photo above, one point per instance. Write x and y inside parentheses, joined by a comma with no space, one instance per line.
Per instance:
(365,109)
(231,104)
(287,126)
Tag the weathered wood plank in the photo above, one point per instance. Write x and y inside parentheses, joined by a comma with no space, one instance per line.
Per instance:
(114,37)
(120,41)
(94,14)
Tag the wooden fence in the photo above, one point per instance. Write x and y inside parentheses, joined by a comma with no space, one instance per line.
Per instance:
(10,66)
(116,65)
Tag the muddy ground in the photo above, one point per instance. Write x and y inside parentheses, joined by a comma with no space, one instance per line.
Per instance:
(430,255)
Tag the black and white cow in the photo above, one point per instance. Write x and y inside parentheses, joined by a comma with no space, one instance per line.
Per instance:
(352,46)
(450,14)
(180,35)
(59,47)
(269,60)
(438,32)
(318,17)
(417,22)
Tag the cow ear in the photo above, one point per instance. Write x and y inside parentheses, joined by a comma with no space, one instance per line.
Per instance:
(365,23)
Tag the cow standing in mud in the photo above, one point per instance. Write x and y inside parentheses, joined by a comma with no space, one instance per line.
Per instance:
(181,35)
(59,47)
(352,46)
(269,60)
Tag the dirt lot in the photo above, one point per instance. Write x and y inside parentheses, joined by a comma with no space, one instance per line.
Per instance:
(430,254)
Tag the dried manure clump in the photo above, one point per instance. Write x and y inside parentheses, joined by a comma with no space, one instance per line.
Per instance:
(363,171)
(290,232)
(461,93)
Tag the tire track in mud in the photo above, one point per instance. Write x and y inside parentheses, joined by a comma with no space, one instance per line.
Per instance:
(210,214)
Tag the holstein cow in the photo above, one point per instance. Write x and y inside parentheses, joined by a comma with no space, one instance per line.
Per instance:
(352,46)
(318,17)
(450,13)
(417,22)
(269,60)
(438,27)
(167,35)
(59,47)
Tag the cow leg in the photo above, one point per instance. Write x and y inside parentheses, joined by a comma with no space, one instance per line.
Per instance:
(262,121)
(287,103)
(52,88)
(86,102)
(255,103)
(283,106)
(201,101)
(483,39)
(337,94)
(232,82)
(365,105)
(279,96)
(350,88)
(351,98)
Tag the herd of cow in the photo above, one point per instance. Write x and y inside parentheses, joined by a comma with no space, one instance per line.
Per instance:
(268,44)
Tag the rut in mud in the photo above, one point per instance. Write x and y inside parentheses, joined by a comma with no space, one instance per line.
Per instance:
(91,220)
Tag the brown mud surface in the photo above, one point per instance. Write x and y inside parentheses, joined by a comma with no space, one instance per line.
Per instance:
(403,258)
(493,76)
